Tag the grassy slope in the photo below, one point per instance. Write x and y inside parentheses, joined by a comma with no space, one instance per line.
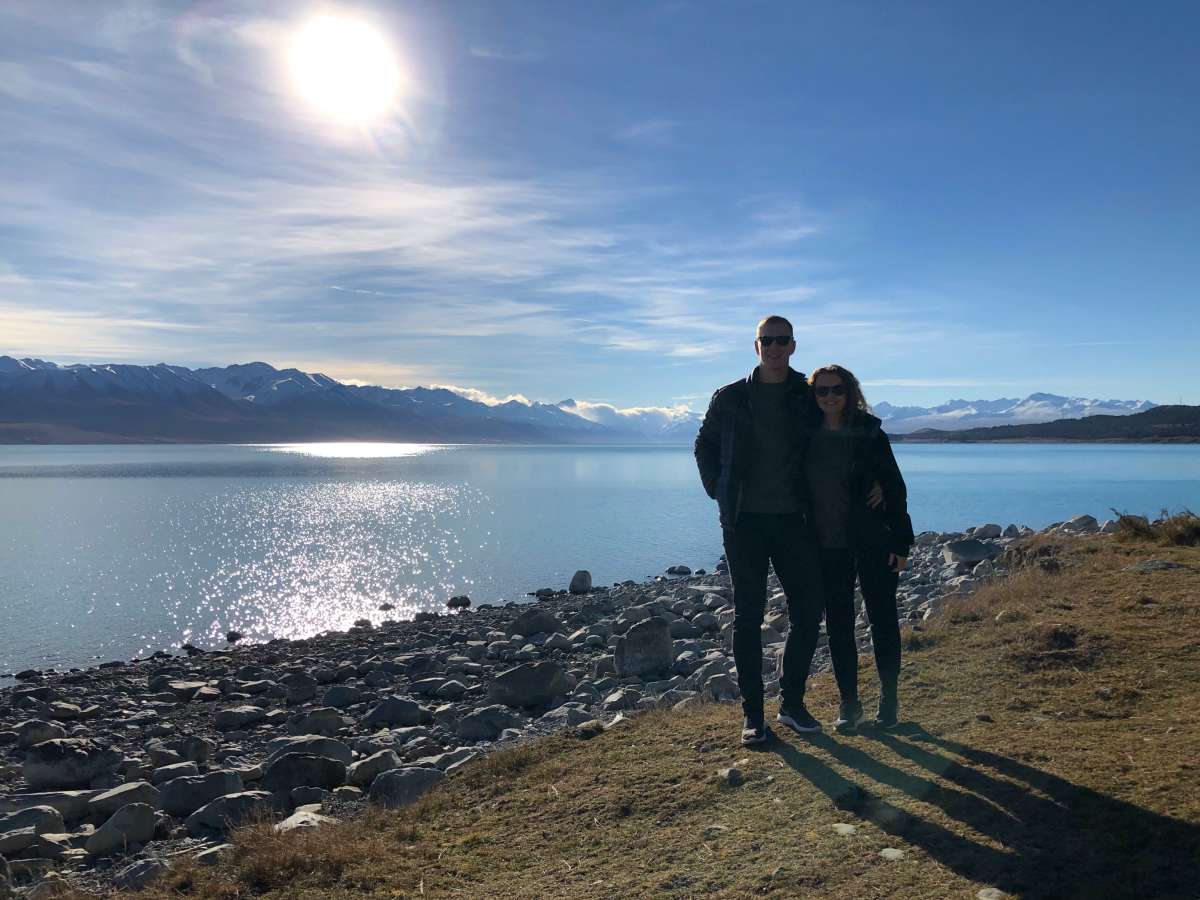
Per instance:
(1056,756)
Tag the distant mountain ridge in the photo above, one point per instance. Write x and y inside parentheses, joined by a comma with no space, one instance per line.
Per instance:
(1162,424)
(960,414)
(44,402)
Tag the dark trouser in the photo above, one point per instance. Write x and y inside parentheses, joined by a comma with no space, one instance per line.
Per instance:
(878,583)
(785,542)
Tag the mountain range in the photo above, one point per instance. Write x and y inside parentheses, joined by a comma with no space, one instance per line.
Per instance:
(44,402)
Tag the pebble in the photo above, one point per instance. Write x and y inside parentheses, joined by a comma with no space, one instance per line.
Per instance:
(845,828)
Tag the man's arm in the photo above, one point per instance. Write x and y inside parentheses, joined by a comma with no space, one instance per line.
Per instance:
(708,448)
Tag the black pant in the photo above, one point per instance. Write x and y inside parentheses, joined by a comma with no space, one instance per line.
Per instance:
(784,541)
(838,568)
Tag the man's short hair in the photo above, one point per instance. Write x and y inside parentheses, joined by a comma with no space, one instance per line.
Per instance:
(774,320)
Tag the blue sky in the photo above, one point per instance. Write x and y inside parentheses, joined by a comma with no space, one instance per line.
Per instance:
(600,200)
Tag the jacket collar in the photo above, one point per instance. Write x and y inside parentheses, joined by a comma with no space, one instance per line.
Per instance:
(795,379)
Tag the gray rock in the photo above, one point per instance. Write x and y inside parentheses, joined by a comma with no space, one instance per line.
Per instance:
(533,684)
(313,744)
(131,824)
(342,695)
(535,620)
(303,820)
(1081,525)
(35,731)
(486,723)
(581,582)
(1154,565)
(185,795)
(400,787)
(292,770)
(238,717)
(109,802)
(68,763)
(984,532)
(302,796)
(163,774)
(645,649)
(71,805)
(363,772)
(969,551)
(392,712)
(324,720)
(227,812)
(17,840)
(42,819)
(141,873)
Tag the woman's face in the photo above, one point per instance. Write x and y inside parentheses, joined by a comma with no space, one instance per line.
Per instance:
(830,393)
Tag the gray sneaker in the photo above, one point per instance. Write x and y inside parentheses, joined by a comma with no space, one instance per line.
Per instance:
(850,716)
(754,732)
(798,719)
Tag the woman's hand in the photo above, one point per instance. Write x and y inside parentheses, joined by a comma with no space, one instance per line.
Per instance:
(897,563)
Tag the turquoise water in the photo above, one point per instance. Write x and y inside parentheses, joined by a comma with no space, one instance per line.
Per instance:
(111,552)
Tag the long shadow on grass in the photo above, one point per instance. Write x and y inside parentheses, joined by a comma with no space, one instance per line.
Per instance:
(1064,841)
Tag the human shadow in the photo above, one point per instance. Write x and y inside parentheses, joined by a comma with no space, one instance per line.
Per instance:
(1029,833)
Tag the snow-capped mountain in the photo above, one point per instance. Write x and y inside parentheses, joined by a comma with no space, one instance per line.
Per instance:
(958,414)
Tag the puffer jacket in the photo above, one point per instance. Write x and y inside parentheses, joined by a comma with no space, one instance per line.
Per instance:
(888,526)
(726,441)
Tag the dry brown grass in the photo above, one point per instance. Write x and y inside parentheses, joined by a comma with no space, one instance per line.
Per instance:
(1072,777)
(1181,529)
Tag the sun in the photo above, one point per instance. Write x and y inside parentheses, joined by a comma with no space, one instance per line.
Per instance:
(345,69)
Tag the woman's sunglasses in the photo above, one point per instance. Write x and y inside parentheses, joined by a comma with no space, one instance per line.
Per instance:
(838,390)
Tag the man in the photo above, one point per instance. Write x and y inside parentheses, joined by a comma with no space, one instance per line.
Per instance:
(750,453)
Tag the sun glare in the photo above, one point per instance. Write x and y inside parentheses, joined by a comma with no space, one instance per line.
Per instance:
(345,69)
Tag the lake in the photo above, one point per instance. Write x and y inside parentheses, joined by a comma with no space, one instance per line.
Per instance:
(110,552)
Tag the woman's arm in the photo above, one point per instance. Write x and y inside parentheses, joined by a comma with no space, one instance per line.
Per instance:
(895,495)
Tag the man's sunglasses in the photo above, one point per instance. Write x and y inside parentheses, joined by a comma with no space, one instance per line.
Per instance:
(838,390)
(782,340)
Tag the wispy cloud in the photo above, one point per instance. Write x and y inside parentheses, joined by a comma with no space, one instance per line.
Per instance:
(483,396)
(650,130)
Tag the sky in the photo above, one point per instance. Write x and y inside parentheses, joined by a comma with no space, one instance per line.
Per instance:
(601,200)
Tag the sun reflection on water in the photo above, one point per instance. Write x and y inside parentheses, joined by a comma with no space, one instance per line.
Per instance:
(294,560)
(355,450)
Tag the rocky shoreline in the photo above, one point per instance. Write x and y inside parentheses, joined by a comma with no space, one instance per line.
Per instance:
(108,774)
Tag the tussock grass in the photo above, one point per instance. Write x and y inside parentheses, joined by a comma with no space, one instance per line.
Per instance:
(1046,776)
(1180,529)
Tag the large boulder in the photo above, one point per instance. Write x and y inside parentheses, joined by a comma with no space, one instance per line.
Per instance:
(313,744)
(292,770)
(340,696)
(109,802)
(535,620)
(645,649)
(42,819)
(969,551)
(323,720)
(486,724)
(581,582)
(238,717)
(400,787)
(71,805)
(365,771)
(530,685)
(68,763)
(227,812)
(182,796)
(34,731)
(394,712)
(131,824)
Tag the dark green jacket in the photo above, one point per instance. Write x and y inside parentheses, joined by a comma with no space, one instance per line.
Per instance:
(725,443)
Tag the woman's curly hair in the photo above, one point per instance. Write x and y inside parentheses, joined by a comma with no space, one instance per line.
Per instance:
(856,403)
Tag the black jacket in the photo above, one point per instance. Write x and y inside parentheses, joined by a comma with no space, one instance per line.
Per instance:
(726,440)
(887,527)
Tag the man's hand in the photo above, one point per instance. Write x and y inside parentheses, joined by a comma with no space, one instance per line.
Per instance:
(897,563)
(875,495)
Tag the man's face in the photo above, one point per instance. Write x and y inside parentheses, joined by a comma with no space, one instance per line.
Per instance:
(774,354)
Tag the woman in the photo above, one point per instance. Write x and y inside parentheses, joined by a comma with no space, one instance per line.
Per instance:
(849,452)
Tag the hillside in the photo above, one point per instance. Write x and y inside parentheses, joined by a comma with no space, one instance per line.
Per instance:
(1050,752)
(1160,424)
